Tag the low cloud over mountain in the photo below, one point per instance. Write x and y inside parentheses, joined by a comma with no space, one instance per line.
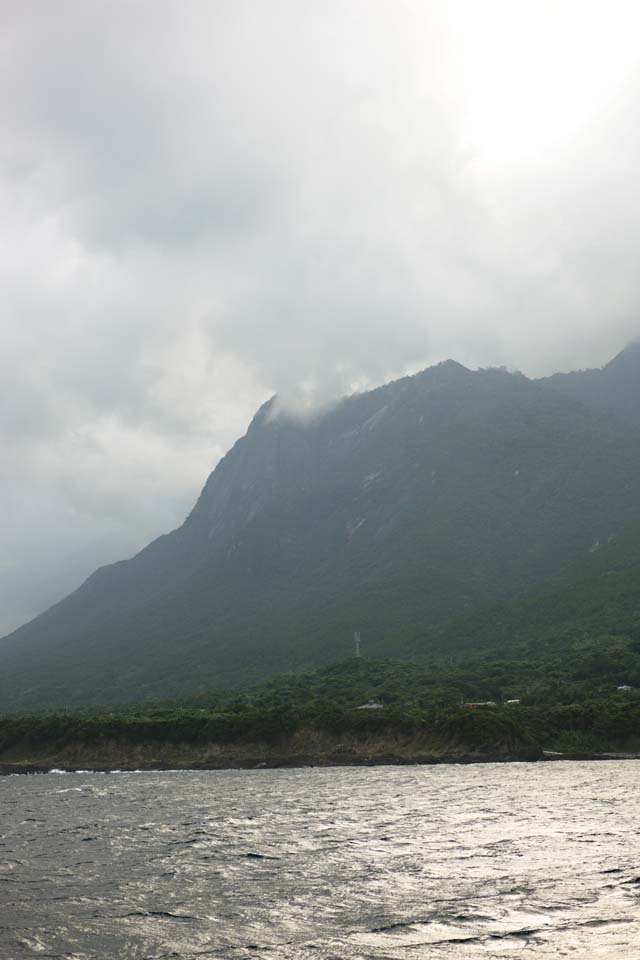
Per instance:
(204,204)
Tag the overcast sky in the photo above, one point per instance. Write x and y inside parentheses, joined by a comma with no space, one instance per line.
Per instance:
(202,203)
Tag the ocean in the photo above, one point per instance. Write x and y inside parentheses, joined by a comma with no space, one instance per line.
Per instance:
(381,863)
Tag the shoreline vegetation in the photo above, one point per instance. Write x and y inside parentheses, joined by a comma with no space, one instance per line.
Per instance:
(358,712)
(267,733)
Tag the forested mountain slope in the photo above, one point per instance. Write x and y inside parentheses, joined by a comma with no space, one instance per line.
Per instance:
(410,504)
(591,606)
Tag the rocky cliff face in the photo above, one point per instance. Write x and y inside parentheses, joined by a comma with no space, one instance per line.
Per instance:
(401,506)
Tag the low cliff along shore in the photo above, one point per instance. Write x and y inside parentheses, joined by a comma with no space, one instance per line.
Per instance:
(41,750)
(311,760)
(114,756)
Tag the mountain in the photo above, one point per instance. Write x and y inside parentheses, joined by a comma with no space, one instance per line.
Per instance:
(615,389)
(407,505)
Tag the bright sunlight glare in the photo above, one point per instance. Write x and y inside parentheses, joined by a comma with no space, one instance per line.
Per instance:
(536,74)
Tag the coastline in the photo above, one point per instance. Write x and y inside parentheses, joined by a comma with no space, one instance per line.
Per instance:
(305,761)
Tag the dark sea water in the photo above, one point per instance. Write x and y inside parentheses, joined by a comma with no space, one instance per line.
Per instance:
(441,862)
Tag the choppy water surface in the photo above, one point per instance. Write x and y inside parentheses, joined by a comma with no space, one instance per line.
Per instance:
(388,862)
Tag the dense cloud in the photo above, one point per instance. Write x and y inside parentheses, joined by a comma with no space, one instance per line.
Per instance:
(206,202)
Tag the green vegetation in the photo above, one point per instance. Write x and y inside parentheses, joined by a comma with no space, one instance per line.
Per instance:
(314,718)
(267,732)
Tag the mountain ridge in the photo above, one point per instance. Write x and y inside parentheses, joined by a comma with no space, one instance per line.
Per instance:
(612,389)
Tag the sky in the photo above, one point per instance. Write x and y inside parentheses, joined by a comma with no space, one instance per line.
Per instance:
(204,203)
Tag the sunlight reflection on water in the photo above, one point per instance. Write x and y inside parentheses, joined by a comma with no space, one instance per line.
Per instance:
(336,864)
